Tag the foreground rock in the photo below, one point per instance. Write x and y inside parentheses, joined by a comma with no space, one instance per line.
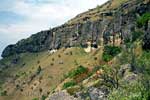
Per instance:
(93,93)
(62,95)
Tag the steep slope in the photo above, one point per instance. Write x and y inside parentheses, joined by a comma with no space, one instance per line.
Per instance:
(43,71)
(116,16)
(105,40)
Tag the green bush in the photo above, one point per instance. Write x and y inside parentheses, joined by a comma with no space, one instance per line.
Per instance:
(110,52)
(142,21)
(77,71)
(35,99)
(43,97)
(107,57)
(69,84)
(136,35)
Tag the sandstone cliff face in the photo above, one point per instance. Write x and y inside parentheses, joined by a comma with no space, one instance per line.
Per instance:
(97,23)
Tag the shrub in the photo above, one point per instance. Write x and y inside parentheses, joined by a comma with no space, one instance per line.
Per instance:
(39,70)
(136,35)
(52,64)
(59,56)
(4,93)
(95,58)
(21,90)
(17,86)
(40,90)
(35,99)
(142,21)
(38,62)
(23,64)
(53,59)
(43,97)
(127,40)
(107,57)
(69,84)
(110,52)
(77,71)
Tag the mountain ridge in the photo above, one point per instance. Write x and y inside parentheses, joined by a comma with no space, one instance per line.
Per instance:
(70,31)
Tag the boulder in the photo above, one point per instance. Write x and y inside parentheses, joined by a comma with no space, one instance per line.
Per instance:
(62,95)
(124,70)
(93,93)
(98,93)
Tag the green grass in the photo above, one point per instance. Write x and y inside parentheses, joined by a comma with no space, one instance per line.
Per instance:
(69,84)
(35,99)
(142,21)
(43,97)
(43,59)
(110,52)
(79,70)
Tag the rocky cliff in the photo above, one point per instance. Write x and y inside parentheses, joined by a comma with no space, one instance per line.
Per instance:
(114,17)
(118,69)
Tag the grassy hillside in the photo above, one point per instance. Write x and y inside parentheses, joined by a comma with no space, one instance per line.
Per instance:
(26,77)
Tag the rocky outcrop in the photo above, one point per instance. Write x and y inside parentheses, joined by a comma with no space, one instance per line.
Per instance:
(62,95)
(35,43)
(93,94)
(101,24)
(125,71)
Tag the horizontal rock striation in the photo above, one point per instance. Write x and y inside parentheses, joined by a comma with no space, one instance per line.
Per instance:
(97,23)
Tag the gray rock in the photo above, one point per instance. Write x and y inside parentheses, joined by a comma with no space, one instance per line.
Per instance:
(97,93)
(62,95)
(131,77)
(93,94)
(124,69)
(126,74)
